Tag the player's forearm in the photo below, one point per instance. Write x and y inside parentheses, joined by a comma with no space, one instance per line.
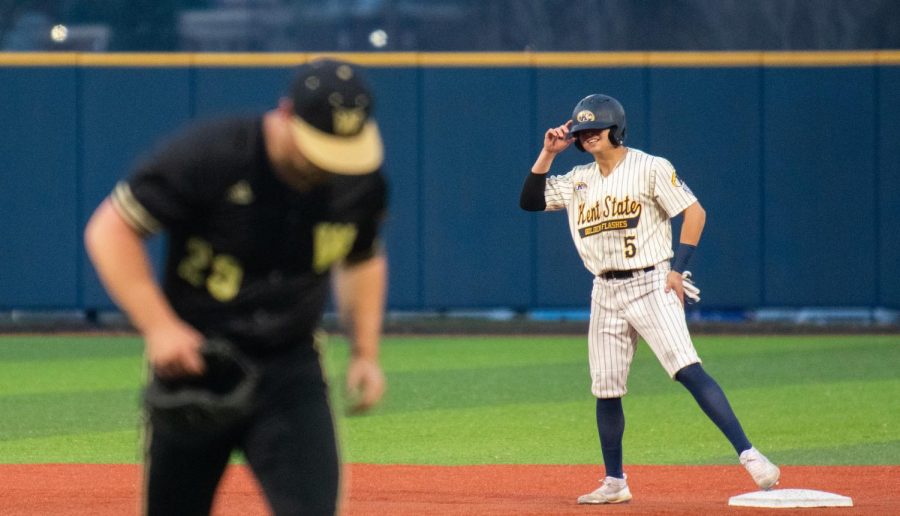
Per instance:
(543,162)
(122,263)
(692,225)
(361,290)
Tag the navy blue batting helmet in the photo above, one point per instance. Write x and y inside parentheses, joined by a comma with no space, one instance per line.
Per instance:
(599,112)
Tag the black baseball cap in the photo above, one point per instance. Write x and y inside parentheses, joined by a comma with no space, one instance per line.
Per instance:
(333,125)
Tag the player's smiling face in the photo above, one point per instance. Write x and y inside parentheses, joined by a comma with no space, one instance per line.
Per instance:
(594,140)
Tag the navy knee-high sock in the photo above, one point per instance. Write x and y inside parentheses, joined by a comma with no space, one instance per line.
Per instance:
(611,427)
(714,403)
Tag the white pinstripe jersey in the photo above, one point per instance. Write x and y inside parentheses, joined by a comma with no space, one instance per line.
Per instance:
(621,221)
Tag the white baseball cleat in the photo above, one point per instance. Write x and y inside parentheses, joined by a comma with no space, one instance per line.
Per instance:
(612,490)
(764,473)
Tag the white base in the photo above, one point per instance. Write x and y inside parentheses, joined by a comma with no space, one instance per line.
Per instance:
(790,498)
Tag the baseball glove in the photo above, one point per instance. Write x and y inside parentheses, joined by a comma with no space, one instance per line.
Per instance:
(206,406)
(691,291)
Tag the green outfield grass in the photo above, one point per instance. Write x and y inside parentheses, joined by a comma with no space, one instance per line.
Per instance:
(487,400)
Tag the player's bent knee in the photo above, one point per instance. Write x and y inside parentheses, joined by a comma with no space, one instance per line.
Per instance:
(689,372)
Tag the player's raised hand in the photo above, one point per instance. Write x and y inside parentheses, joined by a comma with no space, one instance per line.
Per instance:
(558,139)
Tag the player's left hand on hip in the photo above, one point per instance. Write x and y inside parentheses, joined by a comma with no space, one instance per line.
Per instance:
(365,384)
(691,290)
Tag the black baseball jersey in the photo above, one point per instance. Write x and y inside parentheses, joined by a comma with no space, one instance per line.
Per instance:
(248,256)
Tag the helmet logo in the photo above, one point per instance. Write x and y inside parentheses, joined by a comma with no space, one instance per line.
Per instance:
(585,116)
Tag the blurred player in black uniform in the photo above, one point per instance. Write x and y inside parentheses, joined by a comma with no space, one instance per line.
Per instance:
(258,212)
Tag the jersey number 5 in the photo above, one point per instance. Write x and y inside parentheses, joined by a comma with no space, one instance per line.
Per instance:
(630,249)
(221,273)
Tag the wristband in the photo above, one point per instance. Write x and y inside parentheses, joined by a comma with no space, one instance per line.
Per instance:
(682,257)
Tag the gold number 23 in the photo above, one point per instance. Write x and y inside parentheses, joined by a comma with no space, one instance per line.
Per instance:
(220,273)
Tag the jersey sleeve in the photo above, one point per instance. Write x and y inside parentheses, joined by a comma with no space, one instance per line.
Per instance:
(669,190)
(368,240)
(558,191)
(162,191)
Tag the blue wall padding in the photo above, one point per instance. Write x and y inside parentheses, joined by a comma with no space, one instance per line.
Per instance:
(796,167)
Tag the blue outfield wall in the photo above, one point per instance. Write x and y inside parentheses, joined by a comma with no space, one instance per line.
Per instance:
(40,192)
(795,163)
(887,197)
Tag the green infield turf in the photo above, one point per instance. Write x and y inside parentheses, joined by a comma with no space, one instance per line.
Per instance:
(486,400)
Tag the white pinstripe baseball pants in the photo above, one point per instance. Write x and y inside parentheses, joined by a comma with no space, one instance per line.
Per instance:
(622,309)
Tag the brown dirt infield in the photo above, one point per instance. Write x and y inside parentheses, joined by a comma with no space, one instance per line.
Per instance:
(398,490)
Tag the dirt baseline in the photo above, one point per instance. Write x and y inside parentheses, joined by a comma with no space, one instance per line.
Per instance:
(404,490)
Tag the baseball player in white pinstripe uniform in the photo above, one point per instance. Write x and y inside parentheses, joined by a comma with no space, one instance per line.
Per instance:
(619,210)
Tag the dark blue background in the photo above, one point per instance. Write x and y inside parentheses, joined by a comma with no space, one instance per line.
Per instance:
(796,166)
